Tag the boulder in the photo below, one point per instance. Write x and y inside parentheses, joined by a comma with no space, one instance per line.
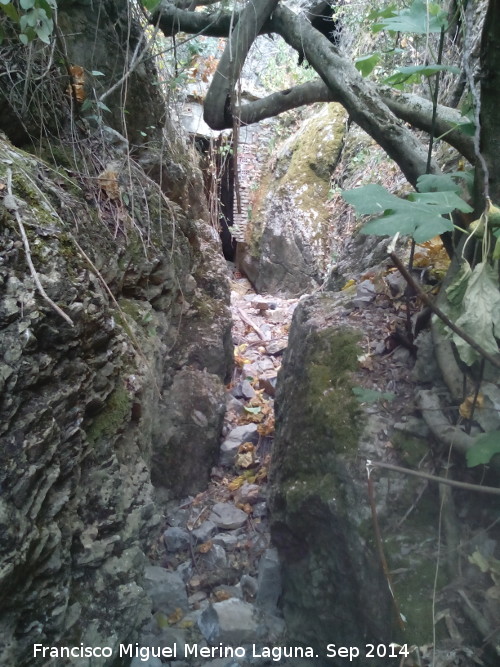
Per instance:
(287,248)
(230,622)
(187,433)
(166,589)
(227,516)
(332,578)
(269,581)
(176,539)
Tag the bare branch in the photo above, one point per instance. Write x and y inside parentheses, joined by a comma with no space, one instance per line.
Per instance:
(171,20)
(435,478)
(13,208)
(378,111)
(358,96)
(418,112)
(249,22)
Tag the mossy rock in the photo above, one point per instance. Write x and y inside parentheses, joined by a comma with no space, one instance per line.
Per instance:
(321,410)
(112,418)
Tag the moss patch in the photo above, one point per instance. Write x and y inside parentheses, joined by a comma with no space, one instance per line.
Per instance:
(323,416)
(315,152)
(115,413)
(329,394)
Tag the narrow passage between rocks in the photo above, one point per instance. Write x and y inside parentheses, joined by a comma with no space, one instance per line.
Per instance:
(217,583)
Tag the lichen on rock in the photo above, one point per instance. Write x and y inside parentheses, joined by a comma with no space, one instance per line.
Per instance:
(289,227)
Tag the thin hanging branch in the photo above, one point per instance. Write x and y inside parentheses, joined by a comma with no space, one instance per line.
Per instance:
(13,207)
(493,490)
(380,547)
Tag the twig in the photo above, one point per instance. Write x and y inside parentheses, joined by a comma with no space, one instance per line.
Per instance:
(474,400)
(380,548)
(480,622)
(248,321)
(120,310)
(13,208)
(434,478)
(442,316)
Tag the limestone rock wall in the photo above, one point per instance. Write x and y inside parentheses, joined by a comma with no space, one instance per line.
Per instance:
(87,410)
(90,412)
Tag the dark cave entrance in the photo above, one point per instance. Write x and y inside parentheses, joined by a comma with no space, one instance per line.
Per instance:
(218,176)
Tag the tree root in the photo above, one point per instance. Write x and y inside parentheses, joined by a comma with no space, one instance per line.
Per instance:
(442,430)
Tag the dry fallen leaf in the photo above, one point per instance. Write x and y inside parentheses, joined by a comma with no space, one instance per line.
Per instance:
(246,507)
(466,407)
(239,359)
(236,483)
(221,595)
(266,428)
(108,181)
(245,460)
(366,362)
(432,254)
(205,547)
(76,87)
(246,455)
(175,616)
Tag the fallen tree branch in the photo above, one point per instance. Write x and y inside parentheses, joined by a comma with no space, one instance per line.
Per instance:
(451,436)
(248,321)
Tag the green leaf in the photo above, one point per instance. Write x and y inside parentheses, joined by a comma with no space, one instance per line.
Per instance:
(366,64)
(496,251)
(9,9)
(445,201)
(102,106)
(468,128)
(480,316)
(385,13)
(150,5)
(437,183)
(372,395)
(370,199)
(47,6)
(420,220)
(420,18)
(44,31)
(87,104)
(413,73)
(96,72)
(455,292)
(253,411)
(484,448)
(27,4)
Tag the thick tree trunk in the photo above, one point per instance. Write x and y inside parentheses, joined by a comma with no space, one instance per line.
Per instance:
(490,95)
(359,97)
(250,21)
